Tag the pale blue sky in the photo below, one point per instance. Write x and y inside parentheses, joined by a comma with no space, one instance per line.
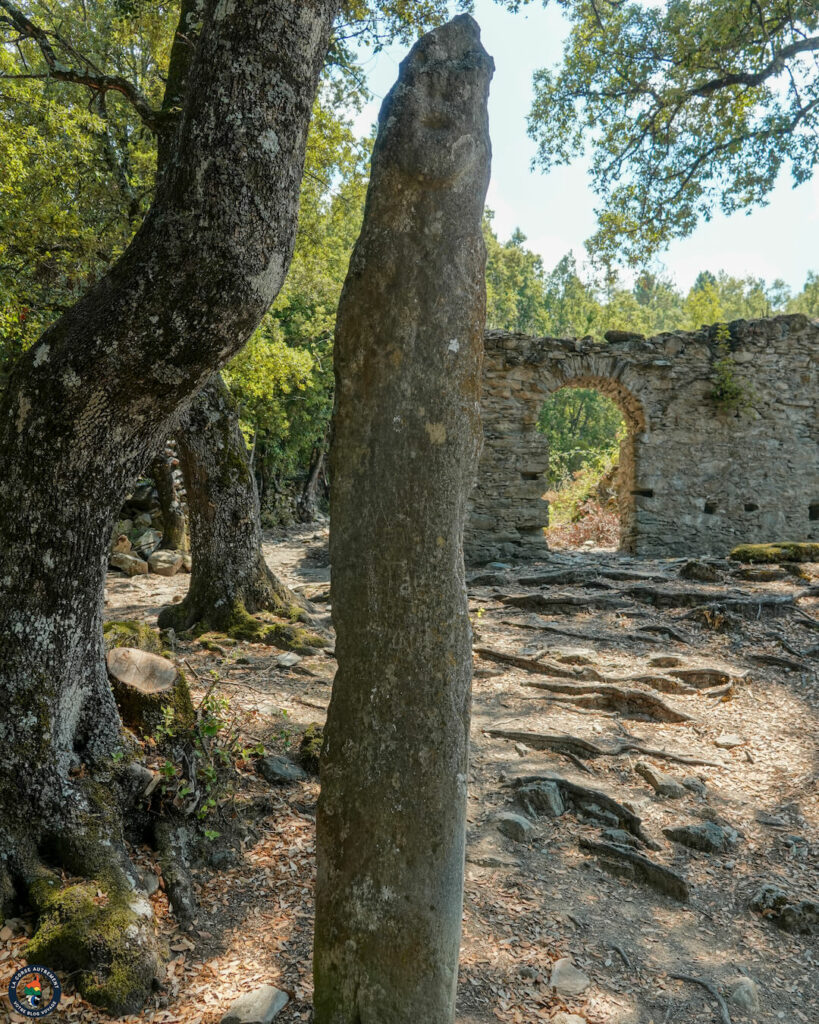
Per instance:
(556,211)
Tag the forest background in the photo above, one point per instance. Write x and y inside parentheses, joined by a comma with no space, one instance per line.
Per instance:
(76,180)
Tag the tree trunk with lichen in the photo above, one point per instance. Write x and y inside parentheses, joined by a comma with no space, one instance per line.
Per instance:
(409,342)
(93,400)
(229,576)
(174,532)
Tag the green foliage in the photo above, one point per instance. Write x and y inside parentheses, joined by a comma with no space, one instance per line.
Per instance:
(689,105)
(583,428)
(727,391)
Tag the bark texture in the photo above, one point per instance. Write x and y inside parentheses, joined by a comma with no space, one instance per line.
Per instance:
(229,577)
(174,534)
(93,401)
(406,440)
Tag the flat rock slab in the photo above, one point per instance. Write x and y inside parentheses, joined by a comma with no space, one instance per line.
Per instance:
(259,1007)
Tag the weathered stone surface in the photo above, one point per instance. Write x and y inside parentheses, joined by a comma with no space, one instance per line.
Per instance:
(409,337)
(514,826)
(567,979)
(541,798)
(744,993)
(681,491)
(279,770)
(259,1007)
(660,782)
(129,563)
(165,563)
(567,1018)
(801,917)
(707,837)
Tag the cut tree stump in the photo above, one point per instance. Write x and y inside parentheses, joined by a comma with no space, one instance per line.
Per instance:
(144,686)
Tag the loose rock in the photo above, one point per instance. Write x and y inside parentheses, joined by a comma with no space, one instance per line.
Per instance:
(708,837)
(165,563)
(745,994)
(259,1007)
(514,826)
(541,798)
(800,917)
(660,782)
(128,563)
(279,770)
(567,979)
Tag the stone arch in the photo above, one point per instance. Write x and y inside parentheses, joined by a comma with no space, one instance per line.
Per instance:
(702,478)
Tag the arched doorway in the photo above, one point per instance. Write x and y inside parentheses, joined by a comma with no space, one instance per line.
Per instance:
(589,425)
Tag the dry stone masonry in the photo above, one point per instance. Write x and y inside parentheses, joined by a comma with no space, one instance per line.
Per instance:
(698,476)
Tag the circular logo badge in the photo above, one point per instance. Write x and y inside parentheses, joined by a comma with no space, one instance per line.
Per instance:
(34,991)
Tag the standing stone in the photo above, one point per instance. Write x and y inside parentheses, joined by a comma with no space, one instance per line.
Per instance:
(392,810)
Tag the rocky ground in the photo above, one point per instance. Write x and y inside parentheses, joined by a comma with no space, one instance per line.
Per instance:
(644,774)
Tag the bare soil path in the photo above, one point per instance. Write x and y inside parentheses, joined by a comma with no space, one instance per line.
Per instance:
(735,659)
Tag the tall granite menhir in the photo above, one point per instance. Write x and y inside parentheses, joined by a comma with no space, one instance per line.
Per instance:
(696,477)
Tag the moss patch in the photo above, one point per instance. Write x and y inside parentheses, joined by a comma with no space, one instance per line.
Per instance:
(784,551)
(310,747)
(101,934)
(129,633)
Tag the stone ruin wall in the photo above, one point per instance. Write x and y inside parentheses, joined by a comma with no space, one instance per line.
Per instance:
(696,478)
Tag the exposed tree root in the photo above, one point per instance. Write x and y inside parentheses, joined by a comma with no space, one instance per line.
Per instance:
(663,683)
(723,1007)
(634,865)
(562,743)
(614,698)
(563,604)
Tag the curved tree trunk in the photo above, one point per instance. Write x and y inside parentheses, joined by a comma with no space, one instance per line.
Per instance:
(93,400)
(229,576)
(174,533)
(409,340)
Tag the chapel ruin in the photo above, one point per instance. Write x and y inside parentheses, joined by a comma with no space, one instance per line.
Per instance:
(697,476)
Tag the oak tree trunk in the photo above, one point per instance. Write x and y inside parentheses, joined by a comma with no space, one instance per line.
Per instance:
(391,815)
(229,576)
(93,401)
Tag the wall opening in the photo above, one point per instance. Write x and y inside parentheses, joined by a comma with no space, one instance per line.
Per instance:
(589,426)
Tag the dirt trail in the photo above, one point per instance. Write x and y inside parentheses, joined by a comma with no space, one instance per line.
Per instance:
(740,667)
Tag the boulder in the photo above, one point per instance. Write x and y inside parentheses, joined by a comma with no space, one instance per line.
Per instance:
(259,1007)
(165,563)
(129,563)
(145,685)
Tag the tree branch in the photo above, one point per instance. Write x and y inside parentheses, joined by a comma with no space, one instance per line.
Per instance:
(751,79)
(96,82)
